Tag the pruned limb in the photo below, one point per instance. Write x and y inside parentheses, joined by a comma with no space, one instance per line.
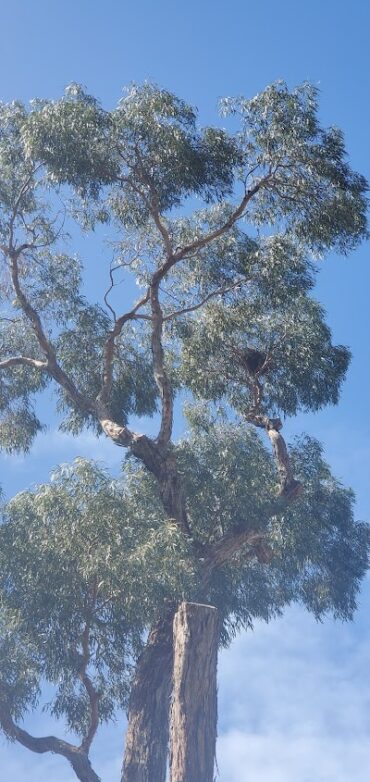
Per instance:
(78,759)
(196,631)
(15,361)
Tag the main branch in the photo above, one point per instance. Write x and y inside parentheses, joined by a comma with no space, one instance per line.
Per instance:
(32,315)
(78,759)
(160,374)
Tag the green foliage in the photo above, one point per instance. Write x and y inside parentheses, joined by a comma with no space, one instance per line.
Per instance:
(13,162)
(315,192)
(19,665)
(320,552)
(87,563)
(83,551)
(88,552)
(88,147)
(229,476)
(150,153)
(18,428)
(72,137)
(303,369)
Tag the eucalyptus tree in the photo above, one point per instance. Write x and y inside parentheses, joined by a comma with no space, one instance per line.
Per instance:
(220,231)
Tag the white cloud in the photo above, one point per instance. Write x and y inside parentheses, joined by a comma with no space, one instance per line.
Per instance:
(295,703)
(247,757)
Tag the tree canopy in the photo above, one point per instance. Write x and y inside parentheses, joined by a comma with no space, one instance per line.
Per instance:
(220,231)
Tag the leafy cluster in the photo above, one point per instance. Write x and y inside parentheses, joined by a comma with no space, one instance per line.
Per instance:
(135,167)
(87,563)
(79,583)
(320,553)
(314,190)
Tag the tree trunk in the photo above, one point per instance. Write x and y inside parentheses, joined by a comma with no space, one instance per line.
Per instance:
(148,718)
(194,697)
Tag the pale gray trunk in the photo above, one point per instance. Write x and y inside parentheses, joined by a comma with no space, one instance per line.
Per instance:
(193,720)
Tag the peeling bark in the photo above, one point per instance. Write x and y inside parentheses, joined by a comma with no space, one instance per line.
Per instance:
(289,487)
(194,699)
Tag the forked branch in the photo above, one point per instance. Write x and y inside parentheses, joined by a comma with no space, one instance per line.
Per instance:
(78,758)
(110,346)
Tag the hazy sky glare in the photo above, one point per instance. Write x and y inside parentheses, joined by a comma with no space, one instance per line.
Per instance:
(301,688)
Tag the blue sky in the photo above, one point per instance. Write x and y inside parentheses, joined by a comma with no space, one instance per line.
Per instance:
(294,695)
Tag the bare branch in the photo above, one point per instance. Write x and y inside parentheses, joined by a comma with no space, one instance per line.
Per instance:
(153,205)
(289,488)
(110,344)
(157,315)
(92,693)
(107,292)
(212,295)
(236,215)
(162,230)
(78,759)
(94,712)
(25,361)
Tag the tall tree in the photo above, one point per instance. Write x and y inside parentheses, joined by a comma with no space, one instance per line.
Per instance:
(224,315)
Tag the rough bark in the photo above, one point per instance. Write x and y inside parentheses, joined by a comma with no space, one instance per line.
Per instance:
(194,697)
(172,494)
(146,747)
(147,733)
